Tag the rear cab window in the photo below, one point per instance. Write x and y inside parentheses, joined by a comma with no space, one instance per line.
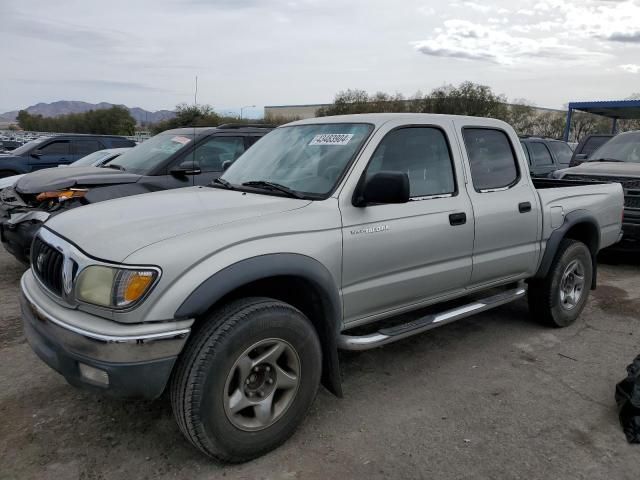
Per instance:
(493,163)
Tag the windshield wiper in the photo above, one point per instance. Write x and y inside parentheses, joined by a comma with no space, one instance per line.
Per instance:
(606,160)
(272,186)
(115,167)
(222,182)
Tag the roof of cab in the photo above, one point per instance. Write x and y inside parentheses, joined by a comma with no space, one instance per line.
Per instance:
(379,119)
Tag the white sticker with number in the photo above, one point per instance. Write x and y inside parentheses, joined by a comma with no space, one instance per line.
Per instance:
(331,139)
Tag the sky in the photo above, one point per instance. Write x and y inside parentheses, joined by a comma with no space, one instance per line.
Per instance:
(147,53)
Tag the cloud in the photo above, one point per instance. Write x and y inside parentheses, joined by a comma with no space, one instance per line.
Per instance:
(632,37)
(631,68)
(466,40)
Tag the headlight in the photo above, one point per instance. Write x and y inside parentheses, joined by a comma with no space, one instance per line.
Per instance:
(62,195)
(113,287)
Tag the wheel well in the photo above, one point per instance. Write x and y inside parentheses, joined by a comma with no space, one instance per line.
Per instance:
(311,301)
(586,233)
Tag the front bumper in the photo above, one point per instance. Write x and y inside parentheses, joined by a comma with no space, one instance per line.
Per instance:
(128,363)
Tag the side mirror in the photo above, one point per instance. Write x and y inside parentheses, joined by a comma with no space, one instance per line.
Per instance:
(36,154)
(579,158)
(384,187)
(186,168)
(226,164)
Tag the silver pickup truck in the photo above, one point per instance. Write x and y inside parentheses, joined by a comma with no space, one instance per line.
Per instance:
(333,233)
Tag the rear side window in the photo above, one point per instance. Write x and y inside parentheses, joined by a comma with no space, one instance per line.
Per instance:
(122,143)
(562,151)
(85,147)
(493,163)
(540,155)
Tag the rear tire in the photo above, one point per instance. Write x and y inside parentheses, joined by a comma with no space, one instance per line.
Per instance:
(246,379)
(559,298)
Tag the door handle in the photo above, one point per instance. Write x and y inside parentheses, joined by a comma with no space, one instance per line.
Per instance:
(524,207)
(458,218)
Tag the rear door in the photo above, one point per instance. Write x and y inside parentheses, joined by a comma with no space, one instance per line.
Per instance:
(505,207)
(401,255)
(51,154)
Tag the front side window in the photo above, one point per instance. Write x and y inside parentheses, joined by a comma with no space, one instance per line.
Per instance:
(540,154)
(214,152)
(145,157)
(420,152)
(60,147)
(493,164)
(592,144)
(308,159)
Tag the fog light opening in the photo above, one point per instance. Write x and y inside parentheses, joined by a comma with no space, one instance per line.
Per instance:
(94,375)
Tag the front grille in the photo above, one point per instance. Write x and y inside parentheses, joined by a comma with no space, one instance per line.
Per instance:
(47,263)
(631,187)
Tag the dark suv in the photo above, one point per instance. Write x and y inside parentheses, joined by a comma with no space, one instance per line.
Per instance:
(172,159)
(46,152)
(545,155)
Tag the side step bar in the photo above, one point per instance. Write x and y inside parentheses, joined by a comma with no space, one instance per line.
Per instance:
(414,327)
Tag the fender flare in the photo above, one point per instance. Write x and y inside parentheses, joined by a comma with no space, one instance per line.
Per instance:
(272,265)
(553,243)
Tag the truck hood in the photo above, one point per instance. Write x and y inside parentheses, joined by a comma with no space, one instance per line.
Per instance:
(113,230)
(58,178)
(613,169)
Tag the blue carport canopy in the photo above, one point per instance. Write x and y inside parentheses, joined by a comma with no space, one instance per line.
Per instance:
(614,109)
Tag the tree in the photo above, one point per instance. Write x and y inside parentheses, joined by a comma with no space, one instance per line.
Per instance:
(111,121)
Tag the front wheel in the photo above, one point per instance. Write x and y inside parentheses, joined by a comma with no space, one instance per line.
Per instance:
(247,379)
(560,297)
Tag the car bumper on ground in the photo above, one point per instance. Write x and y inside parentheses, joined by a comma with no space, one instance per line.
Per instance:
(17,237)
(127,364)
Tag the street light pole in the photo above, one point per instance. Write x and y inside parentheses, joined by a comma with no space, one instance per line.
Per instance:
(246,106)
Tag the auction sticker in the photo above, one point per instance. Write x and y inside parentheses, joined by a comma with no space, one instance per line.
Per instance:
(331,139)
(182,140)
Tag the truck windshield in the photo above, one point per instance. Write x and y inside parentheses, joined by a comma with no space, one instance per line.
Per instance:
(621,148)
(148,155)
(307,159)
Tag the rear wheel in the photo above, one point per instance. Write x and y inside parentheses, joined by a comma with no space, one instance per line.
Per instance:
(558,299)
(247,379)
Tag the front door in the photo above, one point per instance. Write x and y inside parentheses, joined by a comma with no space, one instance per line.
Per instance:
(51,154)
(405,254)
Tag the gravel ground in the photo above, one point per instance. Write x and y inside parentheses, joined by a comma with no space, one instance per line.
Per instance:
(493,396)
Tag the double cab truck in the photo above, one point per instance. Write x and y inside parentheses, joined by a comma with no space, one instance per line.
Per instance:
(345,232)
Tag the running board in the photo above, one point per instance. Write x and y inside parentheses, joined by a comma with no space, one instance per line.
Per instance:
(414,327)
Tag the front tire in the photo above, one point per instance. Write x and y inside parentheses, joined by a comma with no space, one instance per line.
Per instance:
(247,379)
(559,298)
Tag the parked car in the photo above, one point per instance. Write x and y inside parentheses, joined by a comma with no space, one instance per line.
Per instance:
(95,159)
(237,296)
(618,160)
(545,155)
(587,146)
(46,152)
(173,159)
(9,145)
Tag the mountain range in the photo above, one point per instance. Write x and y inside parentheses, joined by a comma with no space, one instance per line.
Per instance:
(63,107)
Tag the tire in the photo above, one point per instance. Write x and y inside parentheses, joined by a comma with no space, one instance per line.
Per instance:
(559,298)
(223,357)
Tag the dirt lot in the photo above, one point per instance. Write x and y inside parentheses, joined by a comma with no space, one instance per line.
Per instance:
(494,396)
